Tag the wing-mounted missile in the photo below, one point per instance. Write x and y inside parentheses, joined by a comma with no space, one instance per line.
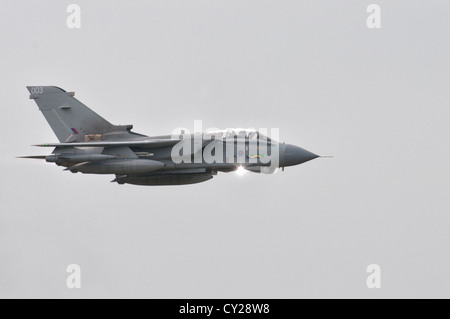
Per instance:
(72,158)
(78,158)
(118,167)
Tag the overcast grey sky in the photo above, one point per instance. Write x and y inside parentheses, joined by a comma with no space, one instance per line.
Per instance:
(378,100)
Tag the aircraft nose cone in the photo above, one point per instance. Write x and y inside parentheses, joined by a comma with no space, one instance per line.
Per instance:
(294,155)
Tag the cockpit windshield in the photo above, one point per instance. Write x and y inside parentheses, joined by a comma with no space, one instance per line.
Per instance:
(250,134)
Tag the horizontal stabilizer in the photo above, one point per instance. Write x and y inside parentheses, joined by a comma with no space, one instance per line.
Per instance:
(34,157)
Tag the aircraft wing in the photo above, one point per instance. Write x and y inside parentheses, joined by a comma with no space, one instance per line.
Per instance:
(142,143)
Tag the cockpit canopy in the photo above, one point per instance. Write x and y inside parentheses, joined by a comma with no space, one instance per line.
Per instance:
(250,134)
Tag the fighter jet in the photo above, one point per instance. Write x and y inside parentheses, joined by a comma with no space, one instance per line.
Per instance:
(91,145)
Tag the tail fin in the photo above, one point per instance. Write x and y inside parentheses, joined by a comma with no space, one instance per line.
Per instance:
(71,120)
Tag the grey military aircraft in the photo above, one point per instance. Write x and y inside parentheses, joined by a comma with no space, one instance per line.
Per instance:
(89,144)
